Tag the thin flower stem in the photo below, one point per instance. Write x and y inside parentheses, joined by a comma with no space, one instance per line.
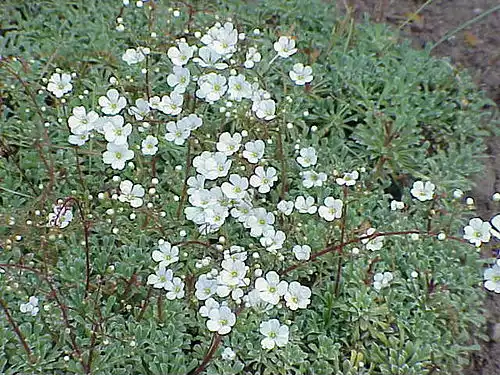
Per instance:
(17,331)
(216,340)
(145,303)
(341,249)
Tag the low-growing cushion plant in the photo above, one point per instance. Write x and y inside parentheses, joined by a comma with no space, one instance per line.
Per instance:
(234,188)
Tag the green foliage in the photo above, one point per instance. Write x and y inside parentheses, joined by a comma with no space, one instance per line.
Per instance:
(374,105)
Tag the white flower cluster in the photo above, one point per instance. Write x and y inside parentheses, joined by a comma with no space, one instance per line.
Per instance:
(30,307)
(164,277)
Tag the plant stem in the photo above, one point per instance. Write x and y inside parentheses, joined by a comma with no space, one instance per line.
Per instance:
(17,331)
(341,249)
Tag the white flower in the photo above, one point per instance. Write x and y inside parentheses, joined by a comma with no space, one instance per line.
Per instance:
(161,278)
(59,84)
(263,179)
(273,240)
(372,244)
(259,221)
(169,104)
(492,278)
(167,254)
(210,304)
(131,193)
(140,110)
(208,59)
(477,231)
(112,103)
(349,179)
(266,109)
(228,354)
(222,39)
(114,130)
(286,207)
(236,187)
(396,205)
(221,320)
(179,79)
(175,288)
(301,74)
(180,55)
(297,296)
(252,57)
(423,192)
(177,132)
(302,252)
(311,178)
(117,155)
(132,56)
(212,165)
(305,205)
(285,46)
(149,145)
(31,306)
(382,280)
(195,183)
(331,210)
(254,151)
(60,217)
(78,140)
(82,122)
(191,122)
(211,87)
(275,334)
(239,88)
(307,157)
(495,223)
(205,287)
(271,288)
(229,144)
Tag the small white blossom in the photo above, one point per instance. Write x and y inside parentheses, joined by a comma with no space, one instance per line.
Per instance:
(131,193)
(297,296)
(285,46)
(275,334)
(271,288)
(423,192)
(301,74)
(477,231)
(161,278)
(212,165)
(263,179)
(31,306)
(252,57)
(307,157)
(312,178)
(229,144)
(373,244)
(273,240)
(305,205)
(492,278)
(177,132)
(396,205)
(149,145)
(259,221)
(166,255)
(239,88)
(211,87)
(132,56)
(266,109)
(112,103)
(180,55)
(117,155)
(82,122)
(302,252)
(331,210)
(221,320)
(59,84)
(114,130)
(175,288)
(228,354)
(349,179)
(191,122)
(78,140)
(140,110)
(286,207)
(236,187)
(208,58)
(60,217)
(205,287)
(169,104)
(254,151)
(179,79)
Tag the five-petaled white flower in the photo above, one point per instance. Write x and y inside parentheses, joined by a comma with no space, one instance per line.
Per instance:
(266,109)
(161,278)
(167,254)
(349,178)
(205,287)
(264,179)
(134,56)
(60,217)
(179,79)
(307,157)
(239,88)
(208,58)
(254,151)
(331,210)
(149,145)
(236,188)
(305,205)
(285,46)
(117,155)
(312,178)
(275,334)
(112,103)
(229,144)
(301,74)
(221,320)
(177,132)
(59,84)
(286,207)
(492,278)
(271,288)
(211,87)
(114,130)
(252,57)
(180,55)
(175,288)
(423,192)
(302,252)
(297,296)
(140,110)
(372,244)
(82,122)
(228,354)
(131,193)
(477,231)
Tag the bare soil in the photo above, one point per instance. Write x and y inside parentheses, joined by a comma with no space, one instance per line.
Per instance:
(477,49)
